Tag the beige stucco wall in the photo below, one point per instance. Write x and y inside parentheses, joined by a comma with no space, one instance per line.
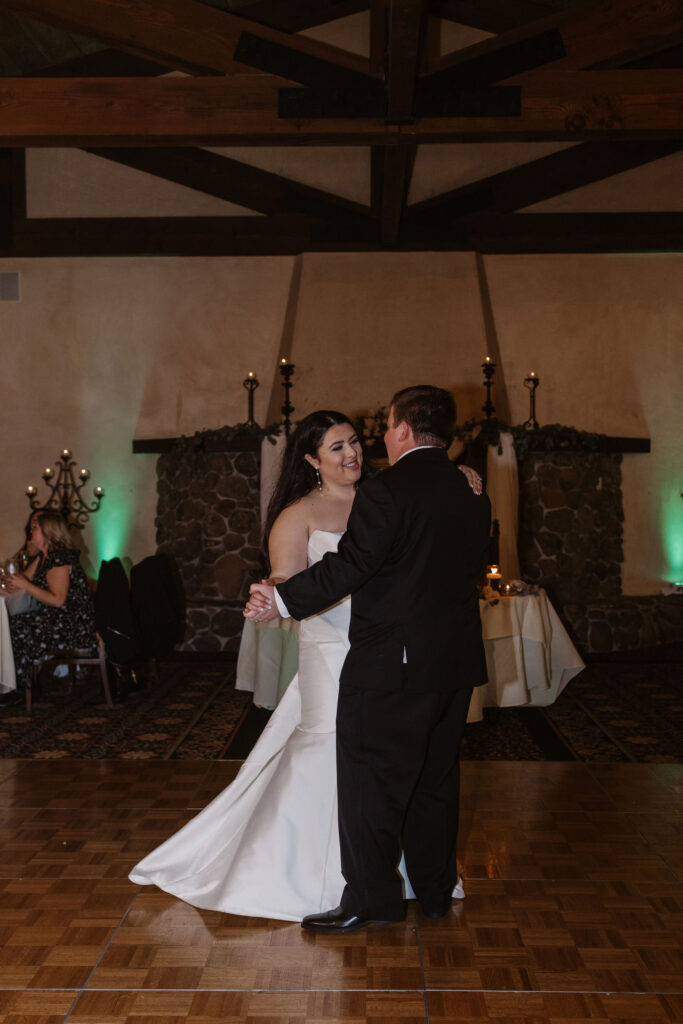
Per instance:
(98,352)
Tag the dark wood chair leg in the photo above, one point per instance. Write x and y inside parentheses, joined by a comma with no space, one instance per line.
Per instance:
(30,680)
(104,674)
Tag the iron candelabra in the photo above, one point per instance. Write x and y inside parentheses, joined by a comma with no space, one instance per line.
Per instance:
(65,493)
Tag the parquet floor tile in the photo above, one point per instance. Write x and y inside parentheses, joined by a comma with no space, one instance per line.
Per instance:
(219,775)
(165,943)
(559,845)
(574,912)
(66,785)
(183,1007)
(81,843)
(22,1007)
(561,935)
(551,1008)
(648,786)
(532,786)
(53,932)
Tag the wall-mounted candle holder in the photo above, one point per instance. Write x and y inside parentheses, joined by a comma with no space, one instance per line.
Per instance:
(286,370)
(250,382)
(531,382)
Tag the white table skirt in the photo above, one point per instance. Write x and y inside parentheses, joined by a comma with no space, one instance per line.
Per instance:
(268,659)
(529,655)
(8,679)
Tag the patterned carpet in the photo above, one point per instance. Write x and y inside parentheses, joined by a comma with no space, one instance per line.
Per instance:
(190,713)
(609,713)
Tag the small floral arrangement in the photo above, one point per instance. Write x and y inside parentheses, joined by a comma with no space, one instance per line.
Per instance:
(372,426)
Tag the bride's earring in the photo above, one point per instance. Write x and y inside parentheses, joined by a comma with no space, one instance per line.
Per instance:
(317,475)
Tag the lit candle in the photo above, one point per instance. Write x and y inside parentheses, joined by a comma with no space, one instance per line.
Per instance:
(283,361)
(66,453)
(531,373)
(98,492)
(494,576)
(84,474)
(47,473)
(507,589)
(30,490)
(487,359)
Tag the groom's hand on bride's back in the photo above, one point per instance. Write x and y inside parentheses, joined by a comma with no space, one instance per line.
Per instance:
(261,605)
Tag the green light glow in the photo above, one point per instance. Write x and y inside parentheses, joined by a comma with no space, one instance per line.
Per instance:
(672,533)
(111,529)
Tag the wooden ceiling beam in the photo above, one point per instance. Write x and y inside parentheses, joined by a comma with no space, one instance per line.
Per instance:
(570,233)
(107,63)
(407,24)
(538,180)
(184,236)
(237,182)
(181,34)
(612,30)
(492,15)
(212,111)
(248,236)
(298,15)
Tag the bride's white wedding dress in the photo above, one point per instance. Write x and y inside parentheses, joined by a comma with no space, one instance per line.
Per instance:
(268,845)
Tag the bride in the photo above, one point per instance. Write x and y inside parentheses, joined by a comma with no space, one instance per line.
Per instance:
(268,845)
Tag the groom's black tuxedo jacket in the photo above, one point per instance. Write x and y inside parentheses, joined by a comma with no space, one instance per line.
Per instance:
(411,559)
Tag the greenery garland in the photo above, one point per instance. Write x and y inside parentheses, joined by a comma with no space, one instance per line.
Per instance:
(552,437)
(197,443)
(477,434)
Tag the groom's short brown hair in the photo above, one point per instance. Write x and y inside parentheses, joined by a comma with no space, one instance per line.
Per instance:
(428,411)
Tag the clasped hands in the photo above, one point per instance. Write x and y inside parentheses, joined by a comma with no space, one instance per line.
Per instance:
(261,606)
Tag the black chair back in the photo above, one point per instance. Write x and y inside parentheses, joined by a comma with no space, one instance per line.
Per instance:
(157,605)
(113,614)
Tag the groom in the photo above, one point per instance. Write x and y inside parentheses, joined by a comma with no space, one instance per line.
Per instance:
(411,559)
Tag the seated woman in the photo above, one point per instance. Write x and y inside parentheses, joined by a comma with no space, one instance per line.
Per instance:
(26,557)
(65,616)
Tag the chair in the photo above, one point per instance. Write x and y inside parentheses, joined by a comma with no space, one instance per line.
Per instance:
(71,656)
(157,606)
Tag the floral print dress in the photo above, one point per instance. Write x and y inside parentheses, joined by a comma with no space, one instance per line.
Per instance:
(47,628)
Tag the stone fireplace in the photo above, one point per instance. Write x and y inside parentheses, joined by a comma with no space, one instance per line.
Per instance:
(208,521)
(570,542)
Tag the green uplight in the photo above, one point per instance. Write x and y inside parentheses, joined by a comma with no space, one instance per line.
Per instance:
(672,533)
(111,528)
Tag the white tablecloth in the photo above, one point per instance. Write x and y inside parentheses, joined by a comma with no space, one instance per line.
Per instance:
(529,655)
(268,659)
(8,679)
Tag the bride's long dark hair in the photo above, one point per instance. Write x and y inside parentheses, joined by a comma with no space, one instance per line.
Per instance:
(297,476)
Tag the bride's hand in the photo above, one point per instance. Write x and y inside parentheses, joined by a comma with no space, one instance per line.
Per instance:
(473,478)
(261,605)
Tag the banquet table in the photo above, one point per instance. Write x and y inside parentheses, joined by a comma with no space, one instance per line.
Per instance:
(8,680)
(529,655)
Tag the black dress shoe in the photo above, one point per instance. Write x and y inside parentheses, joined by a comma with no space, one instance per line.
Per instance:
(436,909)
(338,922)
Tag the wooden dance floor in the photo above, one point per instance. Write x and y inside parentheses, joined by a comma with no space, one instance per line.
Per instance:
(574,908)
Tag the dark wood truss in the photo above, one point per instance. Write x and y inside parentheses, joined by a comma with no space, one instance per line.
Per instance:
(602,74)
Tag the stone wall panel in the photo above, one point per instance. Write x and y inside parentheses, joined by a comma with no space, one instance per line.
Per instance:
(208,522)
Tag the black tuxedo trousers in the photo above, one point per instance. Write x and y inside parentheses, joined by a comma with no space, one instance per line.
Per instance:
(411,559)
(387,801)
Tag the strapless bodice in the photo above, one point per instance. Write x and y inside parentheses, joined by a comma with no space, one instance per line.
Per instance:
(333,623)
